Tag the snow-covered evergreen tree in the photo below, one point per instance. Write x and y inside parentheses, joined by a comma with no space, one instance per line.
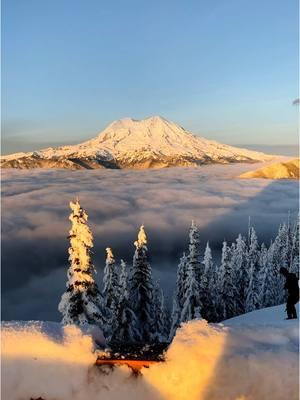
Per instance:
(123,278)
(178,295)
(110,291)
(191,301)
(239,266)
(126,329)
(192,304)
(226,285)
(277,280)
(282,241)
(268,278)
(82,302)
(208,287)
(194,254)
(113,291)
(160,333)
(289,239)
(253,289)
(294,254)
(141,289)
(280,258)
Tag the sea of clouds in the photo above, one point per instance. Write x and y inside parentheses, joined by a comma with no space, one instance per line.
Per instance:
(35,210)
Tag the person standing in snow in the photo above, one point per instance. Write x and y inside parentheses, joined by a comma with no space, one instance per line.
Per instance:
(291,285)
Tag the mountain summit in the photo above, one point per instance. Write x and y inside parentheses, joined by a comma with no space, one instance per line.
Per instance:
(153,142)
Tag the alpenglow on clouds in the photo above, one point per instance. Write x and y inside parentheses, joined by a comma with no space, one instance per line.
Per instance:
(150,143)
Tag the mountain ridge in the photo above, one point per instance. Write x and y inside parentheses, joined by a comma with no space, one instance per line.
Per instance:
(282,170)
(153,142)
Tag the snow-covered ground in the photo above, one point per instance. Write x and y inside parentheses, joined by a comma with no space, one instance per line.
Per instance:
(252,357)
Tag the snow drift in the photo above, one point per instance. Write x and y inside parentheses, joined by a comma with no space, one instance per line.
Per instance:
(240,359)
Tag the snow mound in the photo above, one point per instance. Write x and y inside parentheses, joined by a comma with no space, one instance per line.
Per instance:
(241,359)
(240,362)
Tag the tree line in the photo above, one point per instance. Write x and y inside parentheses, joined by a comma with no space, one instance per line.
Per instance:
(130,307)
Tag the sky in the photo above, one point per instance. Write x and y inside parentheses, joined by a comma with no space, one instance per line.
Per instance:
(226,70)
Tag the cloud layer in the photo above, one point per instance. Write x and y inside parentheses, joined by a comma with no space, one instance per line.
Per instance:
(35,209)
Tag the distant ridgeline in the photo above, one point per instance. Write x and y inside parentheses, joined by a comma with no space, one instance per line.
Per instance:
(130,308)
(282,170)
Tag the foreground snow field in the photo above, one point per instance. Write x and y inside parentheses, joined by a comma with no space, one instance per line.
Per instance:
(252,357)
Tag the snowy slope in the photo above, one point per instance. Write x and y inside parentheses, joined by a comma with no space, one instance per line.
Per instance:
(150,143)
(271,316)
(282,170)
(251,357)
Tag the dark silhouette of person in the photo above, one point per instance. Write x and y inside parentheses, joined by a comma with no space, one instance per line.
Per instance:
(291,285)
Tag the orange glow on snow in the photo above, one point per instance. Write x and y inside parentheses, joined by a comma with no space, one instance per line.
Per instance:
(192,371)
(76,349)
(135,365)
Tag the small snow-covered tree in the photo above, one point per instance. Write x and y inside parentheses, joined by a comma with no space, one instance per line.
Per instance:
(178,295)
(123,278)
(226,285)
(126,329)
(192,304)
(253,289)
(82,302)
(283,242)
(280,258)
(239,266)
(294,253)
(208,287)
(141,289)
(113,291)
(194,251)
(160,333)
(110,289)
(268,278)
(227,288)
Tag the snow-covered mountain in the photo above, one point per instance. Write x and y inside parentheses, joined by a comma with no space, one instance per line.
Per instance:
(127,143)
(282,170)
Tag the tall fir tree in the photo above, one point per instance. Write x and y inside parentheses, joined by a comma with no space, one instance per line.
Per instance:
(289,239)
(123,278)
(110,291)
(268,277)
(294,254)
(160,320)
(226,285)
(283,239)
(280,258)
(274,271)
(208,287)
(239,265)
(126,329)
(253,289)
(82,303)
(141,289)
(191,301)
(194,254)
(178,295)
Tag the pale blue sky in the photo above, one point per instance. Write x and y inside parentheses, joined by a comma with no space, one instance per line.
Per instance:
(226,69)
